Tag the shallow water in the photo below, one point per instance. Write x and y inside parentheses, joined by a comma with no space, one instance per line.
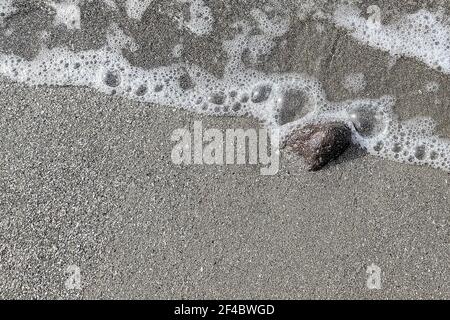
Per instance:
(221,59)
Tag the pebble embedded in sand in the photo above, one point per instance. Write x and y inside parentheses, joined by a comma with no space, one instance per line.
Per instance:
(318,144)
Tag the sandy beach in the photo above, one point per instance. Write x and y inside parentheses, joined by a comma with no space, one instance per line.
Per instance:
(86,179)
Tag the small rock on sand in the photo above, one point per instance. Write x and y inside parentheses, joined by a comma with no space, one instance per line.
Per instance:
(318,144)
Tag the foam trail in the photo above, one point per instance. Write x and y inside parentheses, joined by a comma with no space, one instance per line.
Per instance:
(241,91)
(422,35)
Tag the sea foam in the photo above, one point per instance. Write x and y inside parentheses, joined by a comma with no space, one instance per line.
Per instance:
(67,13)
(6,9)
(241,91)
(423,35)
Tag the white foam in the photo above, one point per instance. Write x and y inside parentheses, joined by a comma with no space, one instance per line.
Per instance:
(136,8)
(67,13)
(431,86)
(260,45)
(177,50)
(422,35)
(201,19)
(241,91)
(271,27)
(411,141)
(355,82)
(6,9)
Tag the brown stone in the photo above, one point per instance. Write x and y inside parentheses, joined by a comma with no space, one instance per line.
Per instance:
(318,144)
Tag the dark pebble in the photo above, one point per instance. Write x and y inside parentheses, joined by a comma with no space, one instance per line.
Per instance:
(318,144)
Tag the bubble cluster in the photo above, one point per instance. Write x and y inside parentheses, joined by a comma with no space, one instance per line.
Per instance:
(201,19)
(270,28)
(285,101)
(377,130)
(274,26)
(6,9)
(413,142)
(112,78)
(67,13)
(422,35)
